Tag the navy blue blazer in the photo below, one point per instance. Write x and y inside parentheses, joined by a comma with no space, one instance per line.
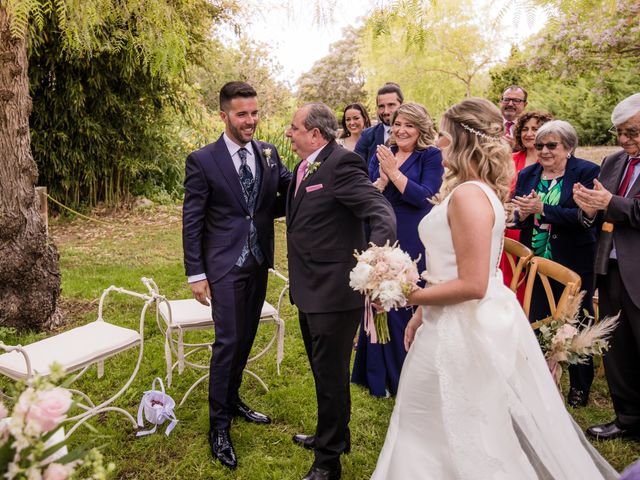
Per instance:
(572,244)
(371,137)
(215,215)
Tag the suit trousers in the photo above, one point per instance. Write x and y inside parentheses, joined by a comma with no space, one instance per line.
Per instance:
(622,361)
(581,375)
(328,340)
(237,303)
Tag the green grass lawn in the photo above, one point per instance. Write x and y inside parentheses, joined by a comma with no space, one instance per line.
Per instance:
(147,243)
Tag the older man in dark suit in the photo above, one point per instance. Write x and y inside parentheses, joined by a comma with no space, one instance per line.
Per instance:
(388,99)
(327,205)
(229,207)
(614,203)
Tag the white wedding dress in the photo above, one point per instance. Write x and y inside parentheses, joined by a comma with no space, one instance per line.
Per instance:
(476,400)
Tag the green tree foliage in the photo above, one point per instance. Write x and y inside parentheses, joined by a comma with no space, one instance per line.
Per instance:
(438,52)
(337,78)
(582,64)
(112,113)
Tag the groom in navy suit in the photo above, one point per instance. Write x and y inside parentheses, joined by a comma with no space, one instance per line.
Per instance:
(388,99)
(230,202)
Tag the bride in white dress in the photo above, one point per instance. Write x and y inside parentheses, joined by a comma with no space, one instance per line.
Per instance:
(476,400)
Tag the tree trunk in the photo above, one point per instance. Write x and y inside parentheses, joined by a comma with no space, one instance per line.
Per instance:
(29,271)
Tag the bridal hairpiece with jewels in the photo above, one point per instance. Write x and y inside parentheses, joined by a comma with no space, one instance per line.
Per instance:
(478,132)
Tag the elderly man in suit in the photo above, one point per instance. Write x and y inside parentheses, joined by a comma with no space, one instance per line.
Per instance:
(388,100)
(614,203)
(229,207)
(326,209)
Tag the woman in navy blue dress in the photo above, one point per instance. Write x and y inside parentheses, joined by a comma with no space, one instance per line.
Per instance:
(408,174)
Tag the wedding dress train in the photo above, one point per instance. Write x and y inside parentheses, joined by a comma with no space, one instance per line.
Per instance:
(476,400)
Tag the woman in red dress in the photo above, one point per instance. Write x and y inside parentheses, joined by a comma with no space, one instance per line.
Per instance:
(524,155)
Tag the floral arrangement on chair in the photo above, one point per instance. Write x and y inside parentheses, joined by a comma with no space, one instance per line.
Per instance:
(30,445)
(385,275)
(563,343)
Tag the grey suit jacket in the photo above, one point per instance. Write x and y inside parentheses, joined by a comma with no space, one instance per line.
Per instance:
(624,214)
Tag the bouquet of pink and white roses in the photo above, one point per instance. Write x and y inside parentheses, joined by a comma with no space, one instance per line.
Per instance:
(385,275)
(32,440)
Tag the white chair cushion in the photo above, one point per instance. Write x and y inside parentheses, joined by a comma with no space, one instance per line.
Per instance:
(190,313)
(187,313)
(268,311)
(72,349)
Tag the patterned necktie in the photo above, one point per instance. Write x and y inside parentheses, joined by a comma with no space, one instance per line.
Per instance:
(302,169)
(633,161)
(246,177)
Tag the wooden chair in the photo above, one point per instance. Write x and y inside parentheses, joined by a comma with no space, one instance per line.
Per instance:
(546,269)
(176,318)
(76,350)
(518,257)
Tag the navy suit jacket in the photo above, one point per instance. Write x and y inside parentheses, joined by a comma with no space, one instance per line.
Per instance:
(371,137)
(572,244)
(215,215)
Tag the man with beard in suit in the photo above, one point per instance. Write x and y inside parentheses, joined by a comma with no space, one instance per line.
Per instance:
(614,203)
(229,207)
(327,205)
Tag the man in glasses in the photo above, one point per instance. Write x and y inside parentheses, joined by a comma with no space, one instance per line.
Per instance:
(614,204)
(512,104)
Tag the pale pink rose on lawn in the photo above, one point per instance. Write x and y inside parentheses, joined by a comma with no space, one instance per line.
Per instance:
(3,411)
(49,409)
(56,471)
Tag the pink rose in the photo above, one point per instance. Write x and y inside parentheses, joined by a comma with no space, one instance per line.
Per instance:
(49,408)
(56,471)
(3,411)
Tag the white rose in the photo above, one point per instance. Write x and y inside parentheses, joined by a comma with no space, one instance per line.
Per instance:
(359,276)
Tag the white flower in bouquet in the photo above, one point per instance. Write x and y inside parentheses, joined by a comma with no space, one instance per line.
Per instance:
(387,275)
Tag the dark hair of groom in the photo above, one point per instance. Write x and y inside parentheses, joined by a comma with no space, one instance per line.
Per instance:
(391,87)
(232,90)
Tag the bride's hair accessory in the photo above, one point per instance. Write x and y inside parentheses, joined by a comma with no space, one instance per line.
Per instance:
(478,132)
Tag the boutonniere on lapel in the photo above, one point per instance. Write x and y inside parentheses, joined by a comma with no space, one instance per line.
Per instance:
(267,156)
(310,169)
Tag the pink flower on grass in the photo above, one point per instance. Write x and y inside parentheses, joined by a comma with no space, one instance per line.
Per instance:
(56,471)
(3,411)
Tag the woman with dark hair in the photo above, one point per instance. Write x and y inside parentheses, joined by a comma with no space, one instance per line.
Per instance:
(354,120)
(408,174)
(525,154)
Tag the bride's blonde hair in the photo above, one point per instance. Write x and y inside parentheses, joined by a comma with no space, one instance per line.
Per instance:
(478,150)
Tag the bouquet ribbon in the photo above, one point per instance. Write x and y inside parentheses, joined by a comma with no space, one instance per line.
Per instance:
(369,323)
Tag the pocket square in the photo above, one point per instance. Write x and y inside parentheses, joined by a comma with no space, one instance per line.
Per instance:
(313,188)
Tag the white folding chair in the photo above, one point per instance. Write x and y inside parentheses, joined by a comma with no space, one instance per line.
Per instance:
(76,350)
(177,317)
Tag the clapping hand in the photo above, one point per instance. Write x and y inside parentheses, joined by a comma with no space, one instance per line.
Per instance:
(528,205)
(591,200)
(387,161)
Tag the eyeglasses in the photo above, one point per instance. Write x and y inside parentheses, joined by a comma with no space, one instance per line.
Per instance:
(515,101)
(627,132)
(549,145)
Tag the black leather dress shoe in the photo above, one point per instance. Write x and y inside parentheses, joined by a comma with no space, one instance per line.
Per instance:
(241,410)
(309,442)
(577,398)
(611,430)
(222,448)
(317,473)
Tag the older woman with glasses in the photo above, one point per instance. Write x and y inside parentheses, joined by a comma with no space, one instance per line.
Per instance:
(551,226)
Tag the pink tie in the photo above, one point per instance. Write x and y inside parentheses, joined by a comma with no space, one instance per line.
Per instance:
(508,126)
(302,169)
